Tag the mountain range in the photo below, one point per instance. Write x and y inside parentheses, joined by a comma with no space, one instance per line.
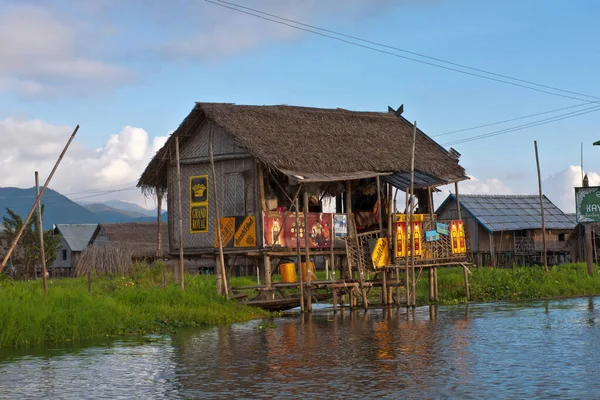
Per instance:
(59,209)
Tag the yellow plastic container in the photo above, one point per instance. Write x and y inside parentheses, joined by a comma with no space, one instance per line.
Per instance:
(288,272)
(311,271)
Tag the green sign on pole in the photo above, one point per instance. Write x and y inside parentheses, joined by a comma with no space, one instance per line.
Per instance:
(587,204)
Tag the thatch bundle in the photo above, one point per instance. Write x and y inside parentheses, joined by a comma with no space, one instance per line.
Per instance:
(105,259)
(307,140)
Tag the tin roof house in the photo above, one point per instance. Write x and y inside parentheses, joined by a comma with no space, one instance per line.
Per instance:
(75,238)
(507,229)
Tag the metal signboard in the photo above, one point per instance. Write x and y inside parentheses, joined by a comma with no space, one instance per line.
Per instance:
(587,204)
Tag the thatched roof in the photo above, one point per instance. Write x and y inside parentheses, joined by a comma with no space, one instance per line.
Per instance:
(312,141)
(140,236)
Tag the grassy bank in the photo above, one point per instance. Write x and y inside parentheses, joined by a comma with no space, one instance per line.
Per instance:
(116,306)
(520,283)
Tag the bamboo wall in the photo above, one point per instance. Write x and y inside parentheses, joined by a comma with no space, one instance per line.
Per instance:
(237,187)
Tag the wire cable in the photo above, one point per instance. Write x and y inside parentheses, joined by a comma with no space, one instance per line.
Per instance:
(289,23)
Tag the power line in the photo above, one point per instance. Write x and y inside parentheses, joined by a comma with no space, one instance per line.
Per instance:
(525,126)
(510,120)
(313,29)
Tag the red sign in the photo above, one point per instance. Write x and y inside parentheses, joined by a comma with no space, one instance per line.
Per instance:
(280,229)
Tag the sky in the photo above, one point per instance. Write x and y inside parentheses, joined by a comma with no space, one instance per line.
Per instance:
(128,72)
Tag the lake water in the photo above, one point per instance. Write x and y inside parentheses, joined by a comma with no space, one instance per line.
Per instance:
(543,349)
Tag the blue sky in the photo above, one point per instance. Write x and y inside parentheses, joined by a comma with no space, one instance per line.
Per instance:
(142,65)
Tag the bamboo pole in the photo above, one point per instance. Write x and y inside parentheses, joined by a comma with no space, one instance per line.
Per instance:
(406,260)
(412,215)
(390,210)
(218,215)
(299,254)
(37,200)
(159,199)
(537,161)
(394,249)
(181,269)
(41,234)
(380,218)
(307,252)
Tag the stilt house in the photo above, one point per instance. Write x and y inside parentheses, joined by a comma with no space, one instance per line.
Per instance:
(267,171)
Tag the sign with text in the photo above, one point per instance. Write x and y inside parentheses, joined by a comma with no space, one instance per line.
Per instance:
(442,228)
(380,254)
(199,204)
(432,236)
(587,204)
(237,232)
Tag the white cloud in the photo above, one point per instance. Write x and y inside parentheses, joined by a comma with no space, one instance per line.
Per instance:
(40,55)
(26,146)
(473,186)
(559,188)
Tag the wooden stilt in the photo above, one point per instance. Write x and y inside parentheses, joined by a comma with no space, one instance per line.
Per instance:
(267,263)
(41,234)
(435,284)
(380,218)
(298,254)
(159,200)
(412,217)
(307,252)
(406,260)
(218,275)
(430,282)
(335,299)
(180,269)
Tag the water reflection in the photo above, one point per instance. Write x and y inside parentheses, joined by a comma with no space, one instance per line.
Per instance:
(538,349)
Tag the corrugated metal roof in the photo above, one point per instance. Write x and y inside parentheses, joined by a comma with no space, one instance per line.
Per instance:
(77,236)
(513,212)
(401,180)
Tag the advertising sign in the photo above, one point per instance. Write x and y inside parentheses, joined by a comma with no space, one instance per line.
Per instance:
(199,204)
(237,232)
(441,228)
(457,234)
(587,204)
(280,229)
(432,236)
(401,233)
(380,252)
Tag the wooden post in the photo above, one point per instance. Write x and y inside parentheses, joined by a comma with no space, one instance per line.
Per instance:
(457,200)
(298,254)
(412,216)
(219,276)
(37,200)
(307,252)
(492,250)
(351,230)
(380,218)
(41,233)
(268,271)
(466,277)
(589,256)
(218,215)
(435,284)
(261,188)
(430,282)
(159,199)
(406,241)
(180,269)
(537,161)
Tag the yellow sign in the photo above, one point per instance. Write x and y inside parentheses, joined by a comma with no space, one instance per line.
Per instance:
(199,204)
(380,254)
(245,234)
(416,217)
(227,230)
(457,233)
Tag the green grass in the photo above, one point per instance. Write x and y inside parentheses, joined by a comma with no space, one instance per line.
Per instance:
(520,283)
(116,306)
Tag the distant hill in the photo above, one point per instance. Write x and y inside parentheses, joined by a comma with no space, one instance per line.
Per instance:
(107,214)
(58,209)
